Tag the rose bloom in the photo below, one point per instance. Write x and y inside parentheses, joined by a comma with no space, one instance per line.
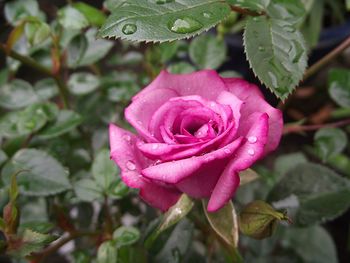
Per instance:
(195,133)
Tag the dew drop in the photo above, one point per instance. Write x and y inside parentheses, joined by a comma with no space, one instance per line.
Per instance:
(251,152)
(130,165)
(154,146)
(129,29)
(261,48)
(227,151)
(252,139)
(30,124)
(207,14)
(127,138)
(184,25)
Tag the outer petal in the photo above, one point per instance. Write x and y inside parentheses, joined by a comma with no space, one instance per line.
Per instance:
(159,196)
(255,102)
(128,158)
(140,112)
(205,83)
(249,153)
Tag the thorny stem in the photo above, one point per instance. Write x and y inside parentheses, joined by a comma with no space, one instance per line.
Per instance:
(303,128)
(33,64)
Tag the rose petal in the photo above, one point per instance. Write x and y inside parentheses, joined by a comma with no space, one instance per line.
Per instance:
(126,155)
(175,171)
(255,102)
(246,155)
(205,83)
(159,196)
(140,112)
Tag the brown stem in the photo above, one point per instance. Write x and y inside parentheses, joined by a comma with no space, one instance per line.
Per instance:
(303,128)
(39,257)
(246,11)
(63,90)
(326,59)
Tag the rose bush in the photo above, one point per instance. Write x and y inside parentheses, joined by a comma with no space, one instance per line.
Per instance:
(195,133)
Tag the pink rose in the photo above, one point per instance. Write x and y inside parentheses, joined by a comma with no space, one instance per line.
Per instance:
(195,133)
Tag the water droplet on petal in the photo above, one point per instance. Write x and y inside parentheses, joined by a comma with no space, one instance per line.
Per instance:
(207,14)
(129,29)
(127,138)
(252,139)
(157,162)
(130,165)
(155,146)
(227,151)
(184,25)
(251,152)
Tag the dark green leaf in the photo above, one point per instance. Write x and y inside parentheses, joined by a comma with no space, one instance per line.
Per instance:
(92,14)
(291,11)
(330,141)
(311,28)
(17,94)
(207,51)
(258,219)
(87,190)
(339,86)
(37,32)
(42,174)
(320,194)
(118,189)
(16,10)
(83,83)
(104,170)
(65,122)
(107,253)
(125,236)
(181,68)
(97,48)
(276,53)
(160,21)
(288,161)
(46,89)
(172,216)
(76,50)
(3,157)
(70,17)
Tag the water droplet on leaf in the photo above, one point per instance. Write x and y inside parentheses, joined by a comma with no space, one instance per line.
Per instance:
(129,29)
(261,48)
(207,14)
(185,25)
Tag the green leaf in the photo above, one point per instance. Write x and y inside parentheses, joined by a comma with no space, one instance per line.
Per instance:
(31,242)
(17,94)
(37,32)
(107,253)
(171,217)
(17,10)
(253,5)
(65,122)
(43,174)
(104,170)
(347,4)
(208,51)
(3,157)
(87,190)
(313,244)
(160,21)
(286,162)
(330,141)
(224,223)
(46,89)
(339,86)
(177,244)
(96,49)
(276,53)
(118,189)
(259,220)
(41,227)
(126,236)
(83,83)
(290,11)
(92,14)
(319,194)
(70,17)
(181,68)
(76,50)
